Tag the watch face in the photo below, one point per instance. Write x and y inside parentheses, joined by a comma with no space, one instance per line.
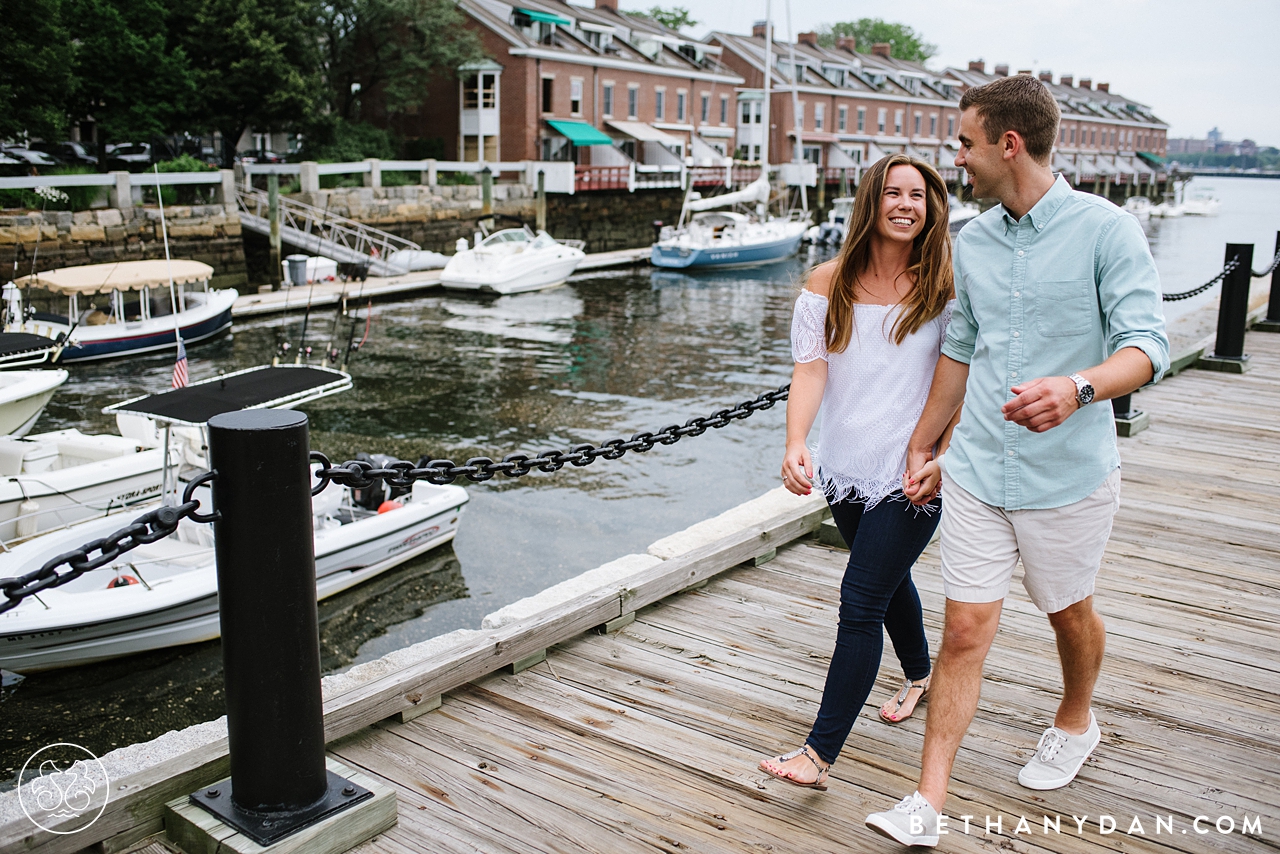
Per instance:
(1086,395)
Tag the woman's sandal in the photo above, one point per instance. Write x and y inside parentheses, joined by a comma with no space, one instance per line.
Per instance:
(820,783)
(900,699)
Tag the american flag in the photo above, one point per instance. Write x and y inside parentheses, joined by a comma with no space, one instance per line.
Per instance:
(180,366)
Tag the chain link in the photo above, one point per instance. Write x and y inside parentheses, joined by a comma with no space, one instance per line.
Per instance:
(147,528)
(358,474)
(1275,262)
(1227,270)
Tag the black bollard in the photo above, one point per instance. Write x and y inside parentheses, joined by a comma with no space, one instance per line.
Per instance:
(1272,322)
(265,552)
(1233,311)
(1129,421)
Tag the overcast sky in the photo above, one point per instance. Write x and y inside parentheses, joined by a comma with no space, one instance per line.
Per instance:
(1197,64)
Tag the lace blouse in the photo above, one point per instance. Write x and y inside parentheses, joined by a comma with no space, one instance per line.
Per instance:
(875,393)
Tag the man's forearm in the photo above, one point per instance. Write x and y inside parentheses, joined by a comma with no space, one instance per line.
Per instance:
(945,396)
(1127,370)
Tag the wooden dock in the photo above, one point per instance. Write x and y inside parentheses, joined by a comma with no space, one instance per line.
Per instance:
(391,287)
(648,739)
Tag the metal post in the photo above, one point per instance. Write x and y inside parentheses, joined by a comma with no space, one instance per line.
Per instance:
(265,552)
(1272,322)
(273,217)
(1233,310)
(540,201)
(1129,421)
(486,191)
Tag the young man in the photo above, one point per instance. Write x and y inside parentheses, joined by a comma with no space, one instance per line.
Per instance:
(1058,309)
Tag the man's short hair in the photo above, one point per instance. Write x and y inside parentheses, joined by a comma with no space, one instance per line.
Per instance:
(1020,103)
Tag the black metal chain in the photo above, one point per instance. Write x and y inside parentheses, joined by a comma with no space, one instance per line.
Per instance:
(147,528)
(1275,262)
(1226,271)
(357,474)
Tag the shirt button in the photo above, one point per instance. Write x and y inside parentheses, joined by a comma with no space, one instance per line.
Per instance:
(1017,293)
(1017,334)
(1013,374)
(1021,253)
(1010,453)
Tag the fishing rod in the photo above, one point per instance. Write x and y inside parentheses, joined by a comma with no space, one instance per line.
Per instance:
(351,336)
(303,349)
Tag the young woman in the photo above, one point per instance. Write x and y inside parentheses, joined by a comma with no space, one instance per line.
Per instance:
(865,336)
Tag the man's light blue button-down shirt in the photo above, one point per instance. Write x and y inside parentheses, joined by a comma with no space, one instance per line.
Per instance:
(1053,293)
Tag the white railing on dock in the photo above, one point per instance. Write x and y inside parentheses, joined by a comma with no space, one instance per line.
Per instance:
(145,179)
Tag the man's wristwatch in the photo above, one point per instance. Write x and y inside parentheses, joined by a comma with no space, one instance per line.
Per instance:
(1084,390)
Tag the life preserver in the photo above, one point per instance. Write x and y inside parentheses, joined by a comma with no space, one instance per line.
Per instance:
(121,581)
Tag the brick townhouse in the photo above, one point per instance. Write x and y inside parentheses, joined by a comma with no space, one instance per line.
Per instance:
(589,85)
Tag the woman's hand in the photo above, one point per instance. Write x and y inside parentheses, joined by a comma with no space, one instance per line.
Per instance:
(797,470)
(921,486)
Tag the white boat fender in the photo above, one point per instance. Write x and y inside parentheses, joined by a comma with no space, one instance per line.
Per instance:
(461,245)
(28,519)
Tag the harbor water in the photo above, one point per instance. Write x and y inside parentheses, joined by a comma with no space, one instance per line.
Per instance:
(451,376)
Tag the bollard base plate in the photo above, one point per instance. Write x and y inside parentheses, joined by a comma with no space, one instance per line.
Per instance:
(1227,365)
(1132,423)
(1266,326)
(267,828)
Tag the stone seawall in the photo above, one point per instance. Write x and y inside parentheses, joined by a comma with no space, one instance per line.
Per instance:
(208,233)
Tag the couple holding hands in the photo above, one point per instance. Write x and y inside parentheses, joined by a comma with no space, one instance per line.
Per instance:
(956,390)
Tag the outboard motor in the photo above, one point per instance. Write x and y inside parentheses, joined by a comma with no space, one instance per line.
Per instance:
(372,496)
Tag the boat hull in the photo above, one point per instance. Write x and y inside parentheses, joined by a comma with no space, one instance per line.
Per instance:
(23,396)
(678,257)
(183,609)
(547,274)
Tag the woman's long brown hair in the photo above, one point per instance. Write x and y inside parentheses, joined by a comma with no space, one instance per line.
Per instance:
(930,267)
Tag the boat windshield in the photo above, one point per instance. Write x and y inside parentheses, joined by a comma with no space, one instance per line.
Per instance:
(542,241)
(506,236)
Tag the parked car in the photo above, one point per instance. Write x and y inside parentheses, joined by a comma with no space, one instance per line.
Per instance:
(68,152)
(259,155)
(12,166)
(38,159)
(130,156)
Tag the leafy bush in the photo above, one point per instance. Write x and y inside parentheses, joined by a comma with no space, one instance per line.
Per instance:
(65,199)
(180,194)
(330,139)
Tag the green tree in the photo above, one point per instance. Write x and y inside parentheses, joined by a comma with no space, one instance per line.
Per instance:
(907,43)
(378,56)
(256,66)
(131,78)
(35,69)
(674,18)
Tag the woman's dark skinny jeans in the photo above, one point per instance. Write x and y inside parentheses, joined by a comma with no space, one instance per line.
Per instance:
(877,590)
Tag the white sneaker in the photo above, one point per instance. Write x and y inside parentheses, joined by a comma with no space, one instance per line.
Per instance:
(912,822)
(1059,757)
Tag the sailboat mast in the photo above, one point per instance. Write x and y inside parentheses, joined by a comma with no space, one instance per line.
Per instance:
(762,209)
(797,156)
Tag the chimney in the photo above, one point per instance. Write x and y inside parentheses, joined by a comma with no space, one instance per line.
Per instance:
(1086,83)
(1104,87)
(848,43)
(757,29)
(882,49)
(810,39)
(1002,70)
(978,65)
(1066,80)
(611,5)
(1046,76)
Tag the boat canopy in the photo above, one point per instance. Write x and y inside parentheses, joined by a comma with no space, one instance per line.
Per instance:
(264,387)
(17,344)
(118,276)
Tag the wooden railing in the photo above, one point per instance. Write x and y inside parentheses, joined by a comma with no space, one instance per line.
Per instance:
(588,178)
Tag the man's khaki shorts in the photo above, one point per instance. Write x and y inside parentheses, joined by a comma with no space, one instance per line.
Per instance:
(1061,548)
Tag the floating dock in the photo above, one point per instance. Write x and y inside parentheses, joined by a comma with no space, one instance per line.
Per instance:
(378,287)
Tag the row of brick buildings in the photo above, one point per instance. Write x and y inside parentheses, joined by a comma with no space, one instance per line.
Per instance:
(607,89)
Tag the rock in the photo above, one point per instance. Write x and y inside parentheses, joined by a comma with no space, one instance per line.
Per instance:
(107,217)
(90,233)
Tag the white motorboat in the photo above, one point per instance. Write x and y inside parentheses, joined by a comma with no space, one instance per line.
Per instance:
(166,593)
(1202,203)
(512,261)
(959,213)
(53,479)
(1166,210)
(25,393)
(103,311)
(832,232)
(1139,206)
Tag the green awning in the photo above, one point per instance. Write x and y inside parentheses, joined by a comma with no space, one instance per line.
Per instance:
(1153,159)
(580,133)
(546,17)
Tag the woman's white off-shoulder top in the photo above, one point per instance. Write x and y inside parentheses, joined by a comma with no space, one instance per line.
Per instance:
(875,393)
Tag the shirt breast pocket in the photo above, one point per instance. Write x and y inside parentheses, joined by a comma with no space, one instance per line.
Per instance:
(1065,307)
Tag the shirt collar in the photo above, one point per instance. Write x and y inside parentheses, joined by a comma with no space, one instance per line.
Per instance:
(1043,210)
